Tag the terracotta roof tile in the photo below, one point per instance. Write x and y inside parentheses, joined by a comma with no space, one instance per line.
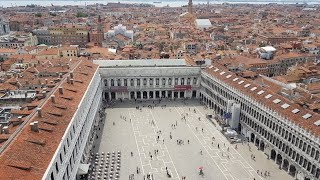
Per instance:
(295,118)
(52,128)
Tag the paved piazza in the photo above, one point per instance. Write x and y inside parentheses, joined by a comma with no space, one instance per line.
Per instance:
(140,136)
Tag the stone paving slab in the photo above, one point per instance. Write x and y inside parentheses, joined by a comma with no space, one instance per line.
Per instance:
(140,137)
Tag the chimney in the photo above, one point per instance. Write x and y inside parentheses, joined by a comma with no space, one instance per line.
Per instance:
(60,90)
(71,80)
(39,112)
(68,79)
(71,75)
(46,81)
(60,75)
(20,119)
(6,116)
(1,128)
(34,126)
(5,130)
(53,99)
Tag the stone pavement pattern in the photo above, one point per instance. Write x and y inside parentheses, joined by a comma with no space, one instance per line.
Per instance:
(140,136)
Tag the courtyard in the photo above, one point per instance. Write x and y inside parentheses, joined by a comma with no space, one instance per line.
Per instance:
(176,138)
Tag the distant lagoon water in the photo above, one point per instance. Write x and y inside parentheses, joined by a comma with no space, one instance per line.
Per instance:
(171,3)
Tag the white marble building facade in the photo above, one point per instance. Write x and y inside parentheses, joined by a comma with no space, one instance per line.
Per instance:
(144,83)
(75,145)
(294,149)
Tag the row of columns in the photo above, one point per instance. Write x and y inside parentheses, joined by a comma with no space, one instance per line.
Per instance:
(122,82)
(281,165)
(171,94)
(279,159)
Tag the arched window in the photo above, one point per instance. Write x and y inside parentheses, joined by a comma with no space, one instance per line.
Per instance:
(131,82)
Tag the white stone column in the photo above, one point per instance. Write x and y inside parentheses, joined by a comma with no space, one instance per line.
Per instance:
(281,166)
(148,95)
(172,95)
(148,83)
(166,93)
(135,94)
(160,82)
(154,94)
(109,96)
(179,81)
(135,82)
(178,94)
(122,82)
(141,95)
(154,82)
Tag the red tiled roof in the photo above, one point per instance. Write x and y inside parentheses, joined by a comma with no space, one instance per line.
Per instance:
(296,118)
(35,158)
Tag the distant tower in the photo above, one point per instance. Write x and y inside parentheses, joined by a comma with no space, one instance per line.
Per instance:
(100,25)
(190,6)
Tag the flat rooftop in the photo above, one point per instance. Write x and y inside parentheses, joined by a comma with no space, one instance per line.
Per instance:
(139,136)
(138,63)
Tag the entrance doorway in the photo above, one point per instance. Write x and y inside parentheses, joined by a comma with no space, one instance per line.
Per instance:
(163,94)
(113,95)
(157,94)
(194,94)
(182,94)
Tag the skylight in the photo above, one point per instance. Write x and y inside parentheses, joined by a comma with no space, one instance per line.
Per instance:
(240,82)
(235,79)
(247,85)
(306,116)
(260,92)
(295,111)
(276,101)
(285,106)
(222,73)
(317,123)
(268,96)
(253,89)
(229,76)
(216,70)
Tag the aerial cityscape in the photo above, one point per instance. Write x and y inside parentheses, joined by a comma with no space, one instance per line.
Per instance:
(160,90)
